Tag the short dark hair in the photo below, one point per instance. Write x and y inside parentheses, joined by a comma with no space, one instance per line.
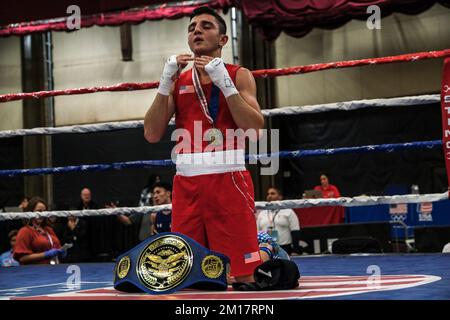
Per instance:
(164,185)
(277,189)
(207,10)
(34,202)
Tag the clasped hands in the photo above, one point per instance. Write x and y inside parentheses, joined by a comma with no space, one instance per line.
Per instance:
(213,66)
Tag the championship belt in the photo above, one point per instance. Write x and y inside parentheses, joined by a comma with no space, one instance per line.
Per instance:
(168,262)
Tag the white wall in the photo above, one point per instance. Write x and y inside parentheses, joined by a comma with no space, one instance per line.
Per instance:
(10,82)
(399,34)
(92,57)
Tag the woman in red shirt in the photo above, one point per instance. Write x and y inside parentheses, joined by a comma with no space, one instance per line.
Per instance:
(328,190)
(36,243)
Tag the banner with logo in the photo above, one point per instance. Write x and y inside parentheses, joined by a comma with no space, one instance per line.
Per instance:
(445,108)
(425,210)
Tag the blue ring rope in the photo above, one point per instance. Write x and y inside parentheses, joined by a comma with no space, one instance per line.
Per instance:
(282,154)
(388,148)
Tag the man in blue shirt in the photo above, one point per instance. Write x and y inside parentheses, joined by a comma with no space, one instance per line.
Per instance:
(6,259)
(161,221)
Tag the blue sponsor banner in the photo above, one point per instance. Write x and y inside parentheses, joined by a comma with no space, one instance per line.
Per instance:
(412,214)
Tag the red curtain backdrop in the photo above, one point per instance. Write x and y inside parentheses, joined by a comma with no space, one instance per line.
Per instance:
(299,17)
(98,13)
(270,17)
(31,10)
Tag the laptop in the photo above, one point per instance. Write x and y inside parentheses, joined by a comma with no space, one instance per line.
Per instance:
(12,209)
(312,194)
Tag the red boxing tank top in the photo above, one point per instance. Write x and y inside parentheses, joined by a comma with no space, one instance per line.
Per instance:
(188,110)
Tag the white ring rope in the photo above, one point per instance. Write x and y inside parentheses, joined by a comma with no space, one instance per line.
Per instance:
(260,205)
(292,110)
(83,128)
(354,105)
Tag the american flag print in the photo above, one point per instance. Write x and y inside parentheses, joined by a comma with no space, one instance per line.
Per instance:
(400,208)
(251,257)
(425,207)
(186,89)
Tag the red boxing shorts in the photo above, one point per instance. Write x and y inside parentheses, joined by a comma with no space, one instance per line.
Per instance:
(217,210)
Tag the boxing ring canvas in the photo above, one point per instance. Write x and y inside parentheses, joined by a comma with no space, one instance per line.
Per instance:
(331,277)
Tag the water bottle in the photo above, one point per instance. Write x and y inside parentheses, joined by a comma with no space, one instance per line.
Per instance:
(414,189)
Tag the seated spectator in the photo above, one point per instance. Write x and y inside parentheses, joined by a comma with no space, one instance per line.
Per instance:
(36,243)
(278,223)
(162,220)
(100,229)
(74,232)
(7,259)
(146,198)
(86,201)
(328,190)
(145,220)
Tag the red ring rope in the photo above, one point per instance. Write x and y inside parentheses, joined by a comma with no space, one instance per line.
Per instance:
(264,73)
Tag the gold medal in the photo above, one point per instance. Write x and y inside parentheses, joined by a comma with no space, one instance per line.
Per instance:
(214,136)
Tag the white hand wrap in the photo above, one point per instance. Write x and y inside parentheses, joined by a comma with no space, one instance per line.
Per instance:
(220,77)
(170,69)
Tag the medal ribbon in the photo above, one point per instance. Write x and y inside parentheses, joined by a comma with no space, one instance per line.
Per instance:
(212,111)
(50,240)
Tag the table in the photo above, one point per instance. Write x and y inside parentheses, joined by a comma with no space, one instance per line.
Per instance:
(318,216)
